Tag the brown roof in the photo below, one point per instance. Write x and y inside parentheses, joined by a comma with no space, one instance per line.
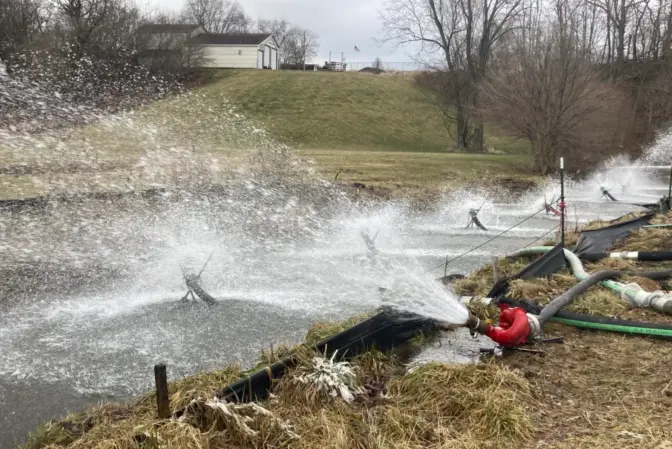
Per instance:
(229,39)
(166,28)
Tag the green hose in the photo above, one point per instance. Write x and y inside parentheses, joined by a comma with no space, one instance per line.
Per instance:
(634,330)
(658,226)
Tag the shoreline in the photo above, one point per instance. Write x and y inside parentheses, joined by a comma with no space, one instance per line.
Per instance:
(521,399)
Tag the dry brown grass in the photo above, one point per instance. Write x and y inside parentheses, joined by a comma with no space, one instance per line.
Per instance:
(323,330)
(662,218)
(651,239)
(600,390)
(481,281)
(433,406)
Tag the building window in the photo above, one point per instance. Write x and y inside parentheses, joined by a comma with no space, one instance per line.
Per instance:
(240,52)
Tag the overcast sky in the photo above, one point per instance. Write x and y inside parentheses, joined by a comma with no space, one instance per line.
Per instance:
(340,24)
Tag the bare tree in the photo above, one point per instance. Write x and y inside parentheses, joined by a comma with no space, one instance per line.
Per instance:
(20,23)
(218,16)
(464,33)
(378,64)
(550,93)
(300,46)
(83,18)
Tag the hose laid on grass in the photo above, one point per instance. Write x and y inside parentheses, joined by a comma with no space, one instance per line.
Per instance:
(642,256)
(655,330)
(632,293)
(561,301)
(584,321)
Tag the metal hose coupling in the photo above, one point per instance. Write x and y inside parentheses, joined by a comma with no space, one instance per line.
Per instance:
(475,324)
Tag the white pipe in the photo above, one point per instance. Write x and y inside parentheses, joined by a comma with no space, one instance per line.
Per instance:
(632,293)
(624,255)
(466,300)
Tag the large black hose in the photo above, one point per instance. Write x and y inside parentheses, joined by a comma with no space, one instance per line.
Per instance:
(561,301)
(448,279)
(643,256)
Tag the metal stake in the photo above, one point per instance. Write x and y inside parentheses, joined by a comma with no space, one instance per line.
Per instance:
(562,201)
(162,400)
(669,190)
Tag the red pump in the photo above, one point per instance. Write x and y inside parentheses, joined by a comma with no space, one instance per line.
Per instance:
(513,330)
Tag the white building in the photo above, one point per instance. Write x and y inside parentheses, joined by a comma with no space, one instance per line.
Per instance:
(237,51)
(201,49)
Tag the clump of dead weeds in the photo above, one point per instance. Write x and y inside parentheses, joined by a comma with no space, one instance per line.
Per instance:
(481,281)
(323,330)
(541,290)
(464,406)
(647,239)
(662,218)
(487,400)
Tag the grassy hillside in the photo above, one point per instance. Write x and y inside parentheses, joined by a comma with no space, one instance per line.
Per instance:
(378,130)
(366,128)
(419,171)
(345,111)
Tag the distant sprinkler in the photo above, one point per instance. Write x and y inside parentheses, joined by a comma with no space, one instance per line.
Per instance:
(548,207)
(607,194)
(473,218)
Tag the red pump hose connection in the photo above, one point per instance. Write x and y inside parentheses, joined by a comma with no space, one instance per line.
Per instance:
(515,327)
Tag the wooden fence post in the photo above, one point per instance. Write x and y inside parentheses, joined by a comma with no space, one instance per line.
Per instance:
(495,269)
(162,401)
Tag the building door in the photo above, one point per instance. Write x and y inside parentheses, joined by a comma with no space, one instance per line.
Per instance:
(274,59)
(260,59)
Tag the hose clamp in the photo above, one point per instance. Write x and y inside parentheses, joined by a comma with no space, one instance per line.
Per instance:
(535,326)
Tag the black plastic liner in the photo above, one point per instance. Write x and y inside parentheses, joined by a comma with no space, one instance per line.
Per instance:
(383,331)
(600,240)
(551,262)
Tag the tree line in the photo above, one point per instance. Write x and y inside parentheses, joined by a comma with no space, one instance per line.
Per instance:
(579,78)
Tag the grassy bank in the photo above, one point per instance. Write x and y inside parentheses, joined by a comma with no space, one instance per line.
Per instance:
(381,131)
(419,171)
(596,390)
(347,111)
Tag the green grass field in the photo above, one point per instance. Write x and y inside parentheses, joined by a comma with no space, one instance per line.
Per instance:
(417,171)
(350,111)
(378,130)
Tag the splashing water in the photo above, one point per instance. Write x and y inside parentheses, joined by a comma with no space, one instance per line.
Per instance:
(415,291)
(91,284)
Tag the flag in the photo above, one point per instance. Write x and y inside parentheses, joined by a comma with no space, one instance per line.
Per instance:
(356,49)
